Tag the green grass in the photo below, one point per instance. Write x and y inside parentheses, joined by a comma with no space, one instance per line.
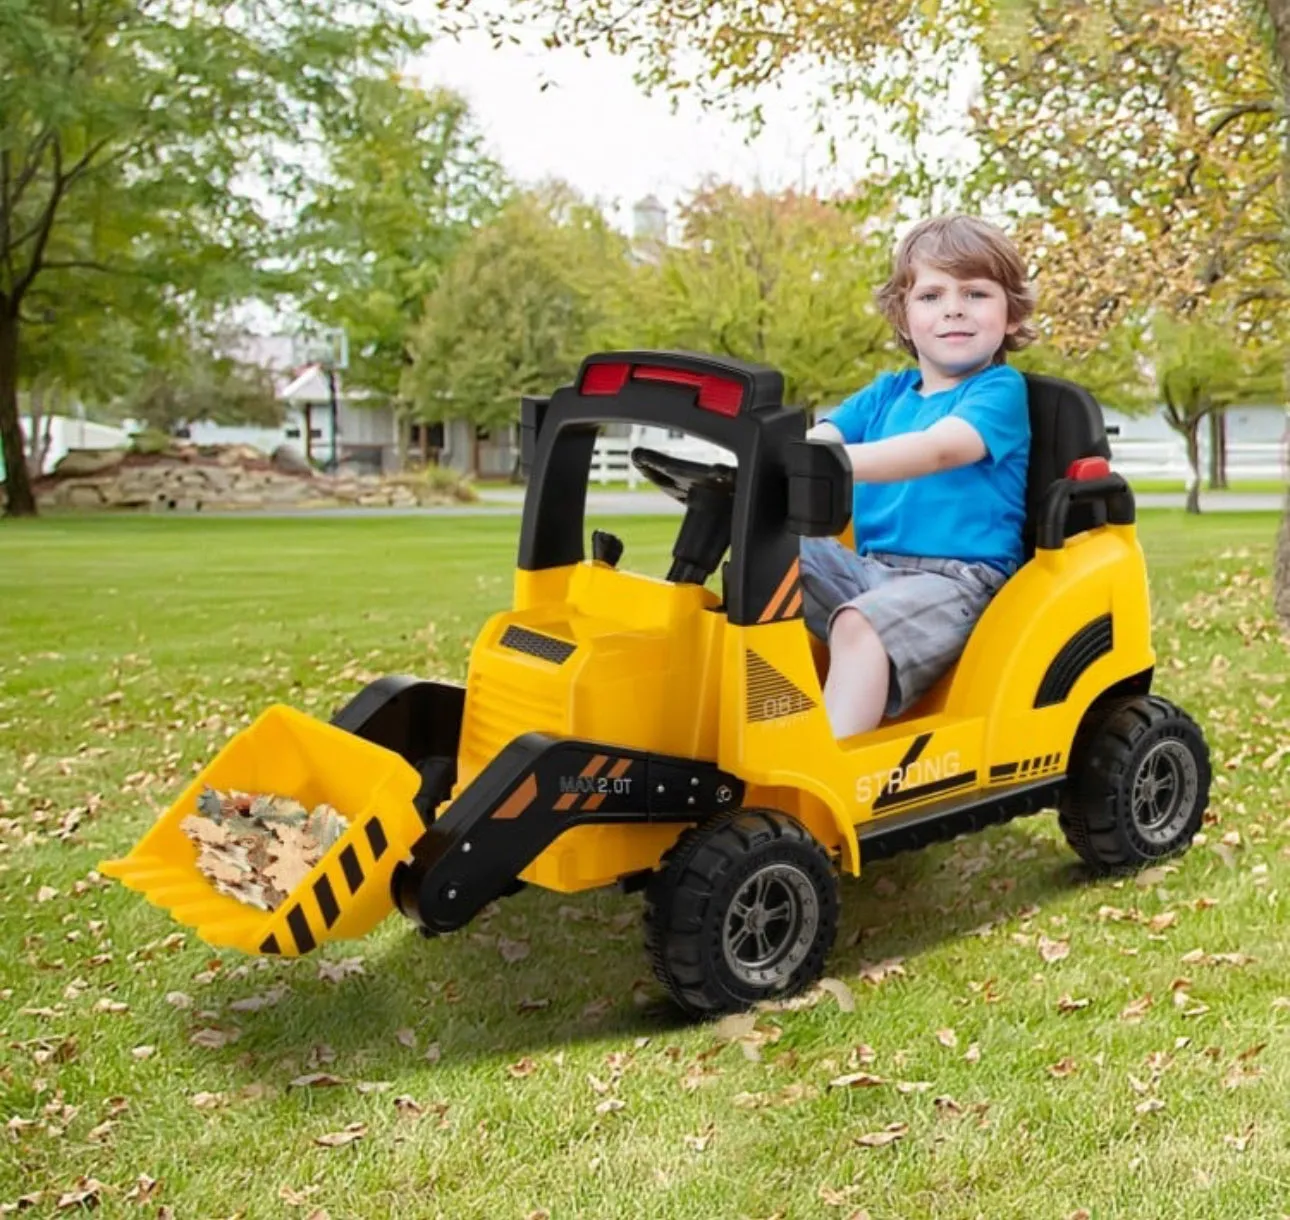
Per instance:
(131,648)
(1235,487)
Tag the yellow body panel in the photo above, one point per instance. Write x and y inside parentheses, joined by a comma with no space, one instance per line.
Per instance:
(657,668)
(290,754)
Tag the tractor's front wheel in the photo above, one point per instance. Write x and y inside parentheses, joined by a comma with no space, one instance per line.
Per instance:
(1139,784)
(744,908)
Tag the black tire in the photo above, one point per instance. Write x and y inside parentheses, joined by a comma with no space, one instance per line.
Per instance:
(1138,784)
(759,860)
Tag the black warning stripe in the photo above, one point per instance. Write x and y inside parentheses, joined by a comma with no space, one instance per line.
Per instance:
(916,747)
(270,945)
(907,796)
(352,869)
(327,903)
(299,925)
(1040,764)
(376,837)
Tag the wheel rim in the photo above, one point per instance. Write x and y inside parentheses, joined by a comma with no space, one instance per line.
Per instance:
(1164,791)
(771,925)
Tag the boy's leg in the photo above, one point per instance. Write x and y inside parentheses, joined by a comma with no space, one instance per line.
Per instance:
(855,691)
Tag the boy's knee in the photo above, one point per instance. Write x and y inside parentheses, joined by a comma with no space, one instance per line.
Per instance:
(850,629)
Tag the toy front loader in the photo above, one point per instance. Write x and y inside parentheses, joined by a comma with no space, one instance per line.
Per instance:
(658,734)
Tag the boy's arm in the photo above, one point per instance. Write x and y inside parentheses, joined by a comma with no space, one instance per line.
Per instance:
(947,444)
(826,430)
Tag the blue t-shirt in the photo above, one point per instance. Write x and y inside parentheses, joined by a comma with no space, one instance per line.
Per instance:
(973,513)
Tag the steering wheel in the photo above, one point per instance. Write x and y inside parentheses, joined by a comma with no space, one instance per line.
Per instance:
(679,477)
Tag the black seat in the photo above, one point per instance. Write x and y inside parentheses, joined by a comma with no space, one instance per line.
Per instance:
(1065,424)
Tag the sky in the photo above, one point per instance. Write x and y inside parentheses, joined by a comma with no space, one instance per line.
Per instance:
(597,129)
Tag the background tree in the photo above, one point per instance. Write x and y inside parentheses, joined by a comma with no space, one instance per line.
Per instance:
(1202,368)
(515,310)
(406,181)
(129,134)
(785,279)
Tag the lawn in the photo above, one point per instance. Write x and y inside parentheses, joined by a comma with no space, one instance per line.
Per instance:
(1037,1043)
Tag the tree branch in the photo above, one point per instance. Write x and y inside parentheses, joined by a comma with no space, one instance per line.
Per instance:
(46,226)
(1236,112)
(85,264)
(5,214)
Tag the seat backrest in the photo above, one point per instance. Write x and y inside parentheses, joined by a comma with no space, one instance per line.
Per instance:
(1065,424)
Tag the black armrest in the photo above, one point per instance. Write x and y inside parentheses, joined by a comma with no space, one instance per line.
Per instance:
(1110,490)
(819,488)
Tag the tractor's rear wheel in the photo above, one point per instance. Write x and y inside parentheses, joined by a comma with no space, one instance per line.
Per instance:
(1138,784)
(744,908)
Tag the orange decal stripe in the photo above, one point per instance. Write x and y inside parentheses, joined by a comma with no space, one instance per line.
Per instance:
(787,583)
(518,801)
(566,801)
(794,605)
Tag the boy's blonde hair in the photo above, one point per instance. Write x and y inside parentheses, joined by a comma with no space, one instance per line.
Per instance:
(967,248)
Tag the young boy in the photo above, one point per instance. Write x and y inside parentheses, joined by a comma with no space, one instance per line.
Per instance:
(939,453)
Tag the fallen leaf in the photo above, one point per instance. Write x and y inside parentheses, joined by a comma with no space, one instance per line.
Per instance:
(513,950)
(208,1101)
(1150,1106)
(338,1139)
(853,1080)
(973,1053)
(297,1198)
(699,1143)
(143,1052)
(1067,1004)
(408,1107)
(213,1039)
(878,972)
(47,893)
(610,1105)
(1151,876)
(880,1139)
(1137,1010)
(406,1037)
(85,1193)
(947,1037)
(1166,919)
(736,1025)
(1053,950)
(314,1080)
(525,1067)
(840,992)
(179,999)
(1240,1142)
(144,1190)
(1062,1068)
(338,971)
(434,1052)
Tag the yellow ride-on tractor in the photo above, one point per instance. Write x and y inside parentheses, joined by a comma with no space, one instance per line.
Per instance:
(658,734)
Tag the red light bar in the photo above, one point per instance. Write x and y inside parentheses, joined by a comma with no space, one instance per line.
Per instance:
(719,394)
(604,379)
(1084,469)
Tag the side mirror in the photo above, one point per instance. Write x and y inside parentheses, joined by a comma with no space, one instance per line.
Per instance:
(819,488)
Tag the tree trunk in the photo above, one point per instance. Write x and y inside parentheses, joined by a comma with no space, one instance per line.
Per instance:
(1279,13)
(21,501)
(1193,461)
(1281,569)
(1218,451)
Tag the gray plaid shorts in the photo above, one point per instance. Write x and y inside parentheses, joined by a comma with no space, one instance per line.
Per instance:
(922,609)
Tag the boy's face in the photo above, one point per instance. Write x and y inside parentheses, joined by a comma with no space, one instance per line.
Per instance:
(956,325)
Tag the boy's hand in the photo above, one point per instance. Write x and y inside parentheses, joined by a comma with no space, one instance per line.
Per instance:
(947,444)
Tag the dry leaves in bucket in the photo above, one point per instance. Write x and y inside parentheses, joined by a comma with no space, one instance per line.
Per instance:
(258,847)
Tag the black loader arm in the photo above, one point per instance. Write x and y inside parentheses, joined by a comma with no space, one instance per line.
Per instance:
(532,792)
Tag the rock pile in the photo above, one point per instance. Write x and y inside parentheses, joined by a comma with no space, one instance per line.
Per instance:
(191,478)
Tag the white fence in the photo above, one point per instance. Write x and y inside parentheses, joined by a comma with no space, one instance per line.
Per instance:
(1135,459)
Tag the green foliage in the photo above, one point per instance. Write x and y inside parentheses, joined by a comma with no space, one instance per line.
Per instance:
(200,386)
(516,310)
(150,143)
(785,279)
(406,182)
